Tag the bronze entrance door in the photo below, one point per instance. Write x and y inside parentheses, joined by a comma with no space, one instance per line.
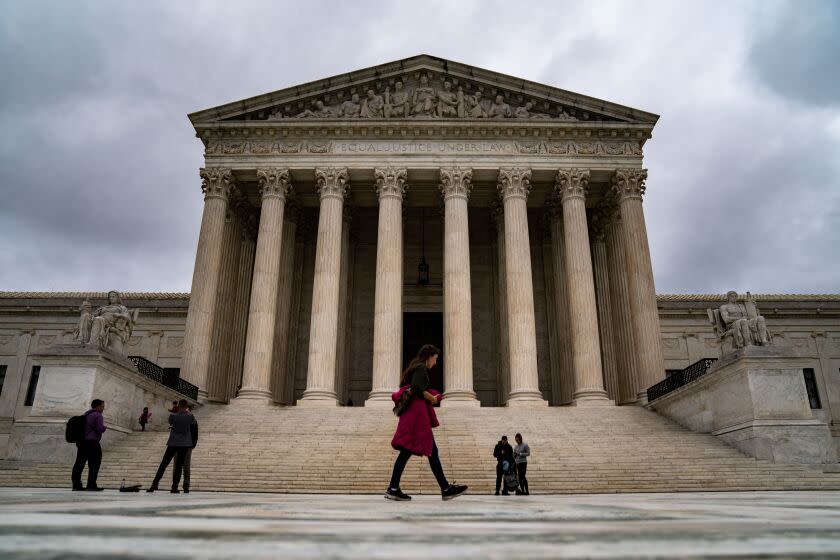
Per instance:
(420,329)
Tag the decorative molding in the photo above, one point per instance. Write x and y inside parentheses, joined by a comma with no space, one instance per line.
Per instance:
(274,182)
(423,95)
(599,149)
(390,181)
(455,182)
(332,181)
(216,182)
(629,183)
(572,183)
(599,220)
(514,182)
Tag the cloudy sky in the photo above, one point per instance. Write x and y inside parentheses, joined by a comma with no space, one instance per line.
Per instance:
(99,185)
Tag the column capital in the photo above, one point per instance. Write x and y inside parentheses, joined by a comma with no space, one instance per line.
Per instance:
(629,182)
(455,182)
(332,182)
(390,181)
(572,183)
(292,213)
(514,182)
(274,182)
(216,182)
(554,207)
(497,215)
(600,218)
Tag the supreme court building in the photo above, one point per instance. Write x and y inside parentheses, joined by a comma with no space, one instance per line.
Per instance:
(350,220)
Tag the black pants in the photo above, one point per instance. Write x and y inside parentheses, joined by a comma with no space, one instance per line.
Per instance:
(187,463)
(89,452)
(180,454)
(434,462)
(499,474)
(520,471)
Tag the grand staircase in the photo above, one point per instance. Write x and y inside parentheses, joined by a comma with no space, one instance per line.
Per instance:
(261,448)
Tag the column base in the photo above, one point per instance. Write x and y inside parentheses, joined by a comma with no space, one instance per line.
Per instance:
(318,397)
(641,398)
(247,393)
(591,397)
(460,398)
(380,399)
(527,399)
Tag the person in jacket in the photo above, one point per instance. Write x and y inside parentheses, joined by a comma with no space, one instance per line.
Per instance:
(183,435)
(89,450)
(144,419)
(520,454)
(188,457)
(414,429)
(502,452)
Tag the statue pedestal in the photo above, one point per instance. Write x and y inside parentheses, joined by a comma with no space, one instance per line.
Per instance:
(755,400)
(71,377)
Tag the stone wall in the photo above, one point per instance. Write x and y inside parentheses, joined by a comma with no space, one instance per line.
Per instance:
(32,323)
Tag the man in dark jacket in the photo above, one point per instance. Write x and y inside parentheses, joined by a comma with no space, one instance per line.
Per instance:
(502,452)
(183,435)
(89,450)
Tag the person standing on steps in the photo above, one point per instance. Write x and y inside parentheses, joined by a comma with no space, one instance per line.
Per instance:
(144,419)
(188,456)
(520,454)
(414,405)
(503,452)
(89,449)
(183,435)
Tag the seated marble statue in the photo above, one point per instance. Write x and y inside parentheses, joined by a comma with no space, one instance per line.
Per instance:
(112,324)
(742,321)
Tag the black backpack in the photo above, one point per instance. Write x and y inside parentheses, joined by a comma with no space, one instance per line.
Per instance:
(75,430)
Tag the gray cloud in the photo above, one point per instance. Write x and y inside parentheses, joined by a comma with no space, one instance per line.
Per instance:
(98,163)
(797,51)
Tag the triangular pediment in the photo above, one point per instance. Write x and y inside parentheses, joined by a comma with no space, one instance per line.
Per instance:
(423,88)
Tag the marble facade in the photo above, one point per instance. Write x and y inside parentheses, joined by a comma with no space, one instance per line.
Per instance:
(526,202)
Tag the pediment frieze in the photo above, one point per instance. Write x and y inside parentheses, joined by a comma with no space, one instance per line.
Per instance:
(422,89)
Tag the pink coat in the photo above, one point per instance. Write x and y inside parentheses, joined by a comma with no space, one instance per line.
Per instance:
(414,430)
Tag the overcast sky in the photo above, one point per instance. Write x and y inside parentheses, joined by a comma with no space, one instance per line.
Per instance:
(99,184)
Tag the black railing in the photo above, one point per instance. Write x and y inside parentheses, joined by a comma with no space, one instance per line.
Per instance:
(156,373)
(694,371)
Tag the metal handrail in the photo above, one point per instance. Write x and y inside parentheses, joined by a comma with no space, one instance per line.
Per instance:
(157,373)
(684,377)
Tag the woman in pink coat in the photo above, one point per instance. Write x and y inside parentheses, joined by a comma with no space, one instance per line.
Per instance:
(414,430)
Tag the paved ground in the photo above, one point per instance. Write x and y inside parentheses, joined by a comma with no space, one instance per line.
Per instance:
(52,524)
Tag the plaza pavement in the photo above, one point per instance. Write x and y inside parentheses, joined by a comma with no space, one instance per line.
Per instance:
(60,524)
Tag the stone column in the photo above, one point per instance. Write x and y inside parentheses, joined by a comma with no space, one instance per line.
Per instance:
(280,375)
(583,311)
(620,312)
(262,314)
(455,184)
(498,215)
(600,266)
(551,322)
(217,184)
(629,186)
(344,308)
(387,319)
(217,381)
(323,333)
(243,299)
(514,185)
(294,323)
(561,302)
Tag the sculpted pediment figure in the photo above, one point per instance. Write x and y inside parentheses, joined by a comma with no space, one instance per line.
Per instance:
(423,87)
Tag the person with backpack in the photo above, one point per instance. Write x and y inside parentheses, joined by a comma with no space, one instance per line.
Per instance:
(503,453)
(183,435)
(86,432)
(414,405)
(521,453)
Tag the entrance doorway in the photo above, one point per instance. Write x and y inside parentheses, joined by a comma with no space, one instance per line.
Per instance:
(420,329)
